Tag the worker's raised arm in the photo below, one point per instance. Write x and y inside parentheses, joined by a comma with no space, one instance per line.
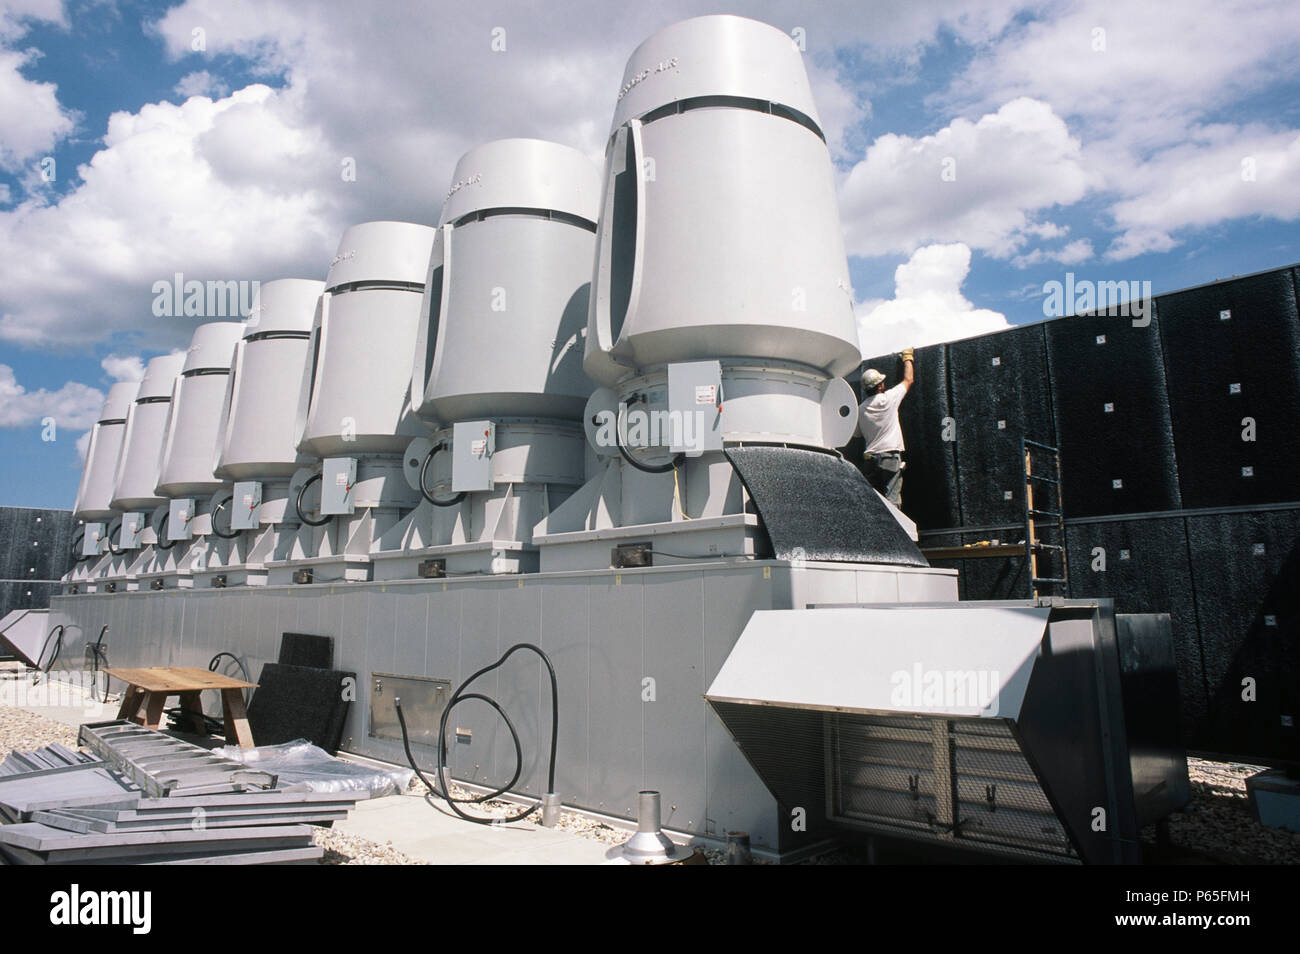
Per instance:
(909,375)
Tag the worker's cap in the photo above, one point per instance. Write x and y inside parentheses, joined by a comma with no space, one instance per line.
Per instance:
(872,378)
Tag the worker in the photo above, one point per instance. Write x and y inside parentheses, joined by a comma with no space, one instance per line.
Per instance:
(878,421)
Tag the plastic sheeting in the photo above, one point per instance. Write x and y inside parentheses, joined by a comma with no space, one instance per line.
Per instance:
(301,766)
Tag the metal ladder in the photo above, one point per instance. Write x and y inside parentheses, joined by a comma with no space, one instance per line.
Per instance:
(1034,546)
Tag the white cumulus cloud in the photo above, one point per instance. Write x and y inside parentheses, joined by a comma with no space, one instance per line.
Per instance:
(123,367)
(74,406)
(928,306)
(980,183)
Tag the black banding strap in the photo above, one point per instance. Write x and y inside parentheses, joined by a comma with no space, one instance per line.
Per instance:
(566,217)
(734,102)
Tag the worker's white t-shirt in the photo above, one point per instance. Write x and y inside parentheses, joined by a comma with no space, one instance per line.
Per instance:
(878,419)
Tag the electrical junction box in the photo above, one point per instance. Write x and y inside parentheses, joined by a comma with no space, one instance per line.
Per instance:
(472,446)
(338,478)
(423,700)
(179,515)
(694,422)
(244,505)
(132,527)
(92,544)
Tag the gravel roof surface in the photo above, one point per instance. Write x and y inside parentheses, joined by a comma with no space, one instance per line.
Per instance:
(1217,827)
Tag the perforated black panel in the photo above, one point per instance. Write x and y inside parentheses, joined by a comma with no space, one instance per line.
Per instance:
(818,506)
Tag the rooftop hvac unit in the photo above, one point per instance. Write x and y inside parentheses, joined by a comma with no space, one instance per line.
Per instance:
(721,308)
(498,366)
(1038,730)
(257,445)
(189,454)
(134,489)
(720,233)
(354,409)
(258,440)
(96,489)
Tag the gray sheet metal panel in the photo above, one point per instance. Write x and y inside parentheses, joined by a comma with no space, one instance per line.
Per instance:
(351,651)
(675,748)
(410,624)
(591,626)
(479,647)
(520,688)
(616,757)
(737,799)
(566,630)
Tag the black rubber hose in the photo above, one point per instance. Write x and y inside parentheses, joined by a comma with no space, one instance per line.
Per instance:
(442,789)
(297,504)
(161,535)
(645,468)
(233,532)
(77,555)
(58,648)
(424,471)
(96,658)
(109,539)
(212,664)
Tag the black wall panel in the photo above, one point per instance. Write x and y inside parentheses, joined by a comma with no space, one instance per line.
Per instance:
(1146,569)
(1112,415)
(34,544)
(1001,392)
(1246,571)
(1232,351)
(930,480)
(19,595)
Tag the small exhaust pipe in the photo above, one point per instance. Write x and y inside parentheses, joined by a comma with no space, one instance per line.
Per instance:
(650,846)
(551,810)
(738,852)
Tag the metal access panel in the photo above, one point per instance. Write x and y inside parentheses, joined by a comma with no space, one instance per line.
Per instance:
(92,544)
(179,514)
(246,505)
(695,407)
(132,527)
(423,701)
(338,478)
(996,727)
(473,444)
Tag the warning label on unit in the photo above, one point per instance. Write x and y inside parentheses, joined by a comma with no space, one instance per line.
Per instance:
(340,480)
(706,394)
(478,448)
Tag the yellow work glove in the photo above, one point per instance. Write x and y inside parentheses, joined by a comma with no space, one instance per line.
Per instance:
(907,355)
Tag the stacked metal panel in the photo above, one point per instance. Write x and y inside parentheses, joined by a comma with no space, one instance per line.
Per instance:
(153,800)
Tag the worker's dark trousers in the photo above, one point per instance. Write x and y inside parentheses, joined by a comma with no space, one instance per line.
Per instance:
(885,472)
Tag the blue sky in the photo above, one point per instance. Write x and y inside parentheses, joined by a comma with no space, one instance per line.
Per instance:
(1156,144)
